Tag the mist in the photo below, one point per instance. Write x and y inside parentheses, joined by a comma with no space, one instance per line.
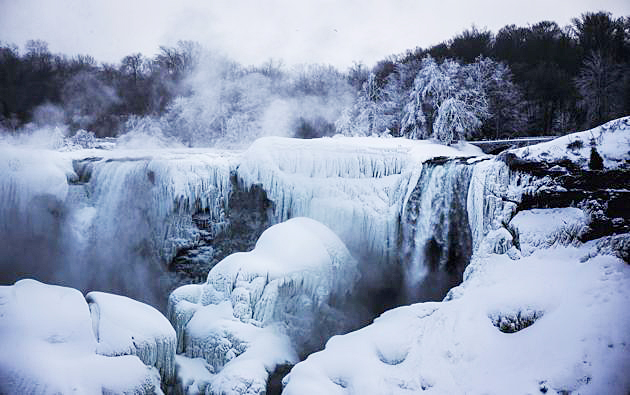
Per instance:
(229,106)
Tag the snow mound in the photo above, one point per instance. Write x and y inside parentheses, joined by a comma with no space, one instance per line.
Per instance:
(295,264)
(48,346)
(123,326)
(545,323)
(611,140)
(539,228)
(259,309)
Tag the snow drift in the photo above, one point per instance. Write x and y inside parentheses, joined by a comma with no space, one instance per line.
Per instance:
(48,344)
(575,337)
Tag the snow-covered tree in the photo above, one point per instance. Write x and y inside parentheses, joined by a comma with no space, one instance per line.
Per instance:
(372,113)
(414,123)
(447,101)
(505,103)
(456,119)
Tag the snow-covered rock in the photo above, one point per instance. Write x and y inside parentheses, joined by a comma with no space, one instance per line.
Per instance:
(123,326)
(545,323)
(258,309)
(48,346)
(611,141)
(539,228)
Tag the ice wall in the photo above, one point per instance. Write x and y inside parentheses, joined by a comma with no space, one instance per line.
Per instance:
(114,220)
(355,186)
(110,220)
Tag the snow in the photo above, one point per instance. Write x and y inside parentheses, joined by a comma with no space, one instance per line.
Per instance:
(299,258)
(579,341)
(123,326)
(193,375)
(48,346)
(256,308)
(544,227)
(612,141)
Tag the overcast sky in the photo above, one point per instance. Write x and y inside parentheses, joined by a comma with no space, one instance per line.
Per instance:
(252,31)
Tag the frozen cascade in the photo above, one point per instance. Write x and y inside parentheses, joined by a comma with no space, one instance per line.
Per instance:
(159,195)
(436,234)
(355,186)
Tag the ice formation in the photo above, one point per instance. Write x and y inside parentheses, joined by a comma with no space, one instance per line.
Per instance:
(575,339)
(125,213)
(355,186)
(259,308)
(123,326)
(48,346)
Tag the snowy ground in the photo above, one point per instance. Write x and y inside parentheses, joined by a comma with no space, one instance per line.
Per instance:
(578,338)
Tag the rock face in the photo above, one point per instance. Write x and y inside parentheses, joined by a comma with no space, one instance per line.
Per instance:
(48,345)
(259,309)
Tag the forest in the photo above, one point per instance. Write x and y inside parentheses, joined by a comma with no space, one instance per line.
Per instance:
(541,79)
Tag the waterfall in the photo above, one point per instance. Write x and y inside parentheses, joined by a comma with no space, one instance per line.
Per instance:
(437,241)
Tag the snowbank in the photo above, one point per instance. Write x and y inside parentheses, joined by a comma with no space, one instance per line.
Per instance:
(123,326)
(258,309)
(545,323)
(538,228)
(48,346)
(611,140)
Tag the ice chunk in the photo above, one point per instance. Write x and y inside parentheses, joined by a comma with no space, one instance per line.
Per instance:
(48,346)
(123,326)
(574,335)
(193,375)
(182,304)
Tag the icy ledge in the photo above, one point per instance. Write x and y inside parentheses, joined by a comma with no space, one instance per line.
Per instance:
(260,309)
(547,323)
(48,346)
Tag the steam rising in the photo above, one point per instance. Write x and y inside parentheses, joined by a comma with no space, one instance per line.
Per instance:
(229,106)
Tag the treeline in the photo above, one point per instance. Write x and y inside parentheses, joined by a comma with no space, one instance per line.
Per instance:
(535,80)
(44,88)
